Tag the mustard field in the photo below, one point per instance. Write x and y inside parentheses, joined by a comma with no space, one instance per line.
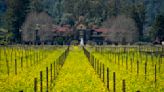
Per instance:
(77,75)
(19,76)
(81,69)
(136,68)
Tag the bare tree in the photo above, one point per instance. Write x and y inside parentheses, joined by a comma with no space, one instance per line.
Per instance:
(41,22)
(122,29)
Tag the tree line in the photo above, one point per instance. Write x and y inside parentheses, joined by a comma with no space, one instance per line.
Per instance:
(148,23)
(13,16)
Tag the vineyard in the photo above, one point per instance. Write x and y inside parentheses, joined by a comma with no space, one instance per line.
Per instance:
(81,69)
(131,69)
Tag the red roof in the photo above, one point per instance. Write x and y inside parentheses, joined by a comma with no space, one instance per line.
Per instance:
(103,30)
(62,29)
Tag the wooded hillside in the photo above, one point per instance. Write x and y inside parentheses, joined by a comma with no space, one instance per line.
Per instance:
(145,14)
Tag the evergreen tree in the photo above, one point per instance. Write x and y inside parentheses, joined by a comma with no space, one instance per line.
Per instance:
(158,28)
(2,11)
(36,5)
(138,14)
(15,16)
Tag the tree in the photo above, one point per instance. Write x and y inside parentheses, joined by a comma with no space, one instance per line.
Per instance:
(158,28)
(93,10)
(4,36)
(15,16)
(37,22)
(36,5)
(68,19)
(2,11)
(122,29)
(138,14)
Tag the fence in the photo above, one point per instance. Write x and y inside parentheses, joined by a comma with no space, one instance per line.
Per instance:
(101,70)
(51,74)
